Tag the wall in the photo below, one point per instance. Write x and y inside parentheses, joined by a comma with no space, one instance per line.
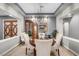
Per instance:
(51,25)
(7,44)
(61,15)
(70,42)
(1,29)
(14,13)
(74,26)
(66,29)
(59,24)
(66,26)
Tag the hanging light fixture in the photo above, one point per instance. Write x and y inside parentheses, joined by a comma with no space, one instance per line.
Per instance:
(40,17)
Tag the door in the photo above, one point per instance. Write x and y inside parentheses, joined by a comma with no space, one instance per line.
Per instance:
(10,28)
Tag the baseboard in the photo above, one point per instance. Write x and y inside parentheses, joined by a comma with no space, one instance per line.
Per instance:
(71,50)
(9,50)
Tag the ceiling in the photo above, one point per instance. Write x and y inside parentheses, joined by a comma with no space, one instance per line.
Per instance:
(39,7)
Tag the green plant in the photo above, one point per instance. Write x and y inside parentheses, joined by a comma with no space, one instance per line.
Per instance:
(54,33)
(29,33)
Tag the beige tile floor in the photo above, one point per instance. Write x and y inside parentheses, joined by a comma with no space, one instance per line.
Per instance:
(20,51)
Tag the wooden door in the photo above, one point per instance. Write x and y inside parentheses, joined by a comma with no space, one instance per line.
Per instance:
(10,29)
(30,26)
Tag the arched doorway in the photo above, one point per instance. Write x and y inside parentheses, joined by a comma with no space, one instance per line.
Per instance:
(32,29)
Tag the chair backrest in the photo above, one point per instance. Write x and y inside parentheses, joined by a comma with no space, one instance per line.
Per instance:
(22,37)
(43,47)
(26,38)
(58,40)
(41,35)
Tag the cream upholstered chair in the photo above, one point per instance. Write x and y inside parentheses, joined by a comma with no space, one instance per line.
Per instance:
(56,46)
(41,35)
(22,38)
(43,47)
(27,43)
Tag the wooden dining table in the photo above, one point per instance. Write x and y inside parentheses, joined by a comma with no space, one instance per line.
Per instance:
(33,44)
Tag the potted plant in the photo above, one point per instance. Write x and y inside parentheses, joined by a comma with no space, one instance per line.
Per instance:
(54,33)
(29,33)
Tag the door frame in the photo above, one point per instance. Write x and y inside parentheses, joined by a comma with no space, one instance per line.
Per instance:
(34,24)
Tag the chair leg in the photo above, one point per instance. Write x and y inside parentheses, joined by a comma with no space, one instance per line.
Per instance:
(58,53)
(34,52)
(26,51)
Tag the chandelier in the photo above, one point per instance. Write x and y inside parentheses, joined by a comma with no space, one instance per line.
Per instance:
(39,19)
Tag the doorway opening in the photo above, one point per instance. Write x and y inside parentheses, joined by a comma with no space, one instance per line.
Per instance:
(31,28)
